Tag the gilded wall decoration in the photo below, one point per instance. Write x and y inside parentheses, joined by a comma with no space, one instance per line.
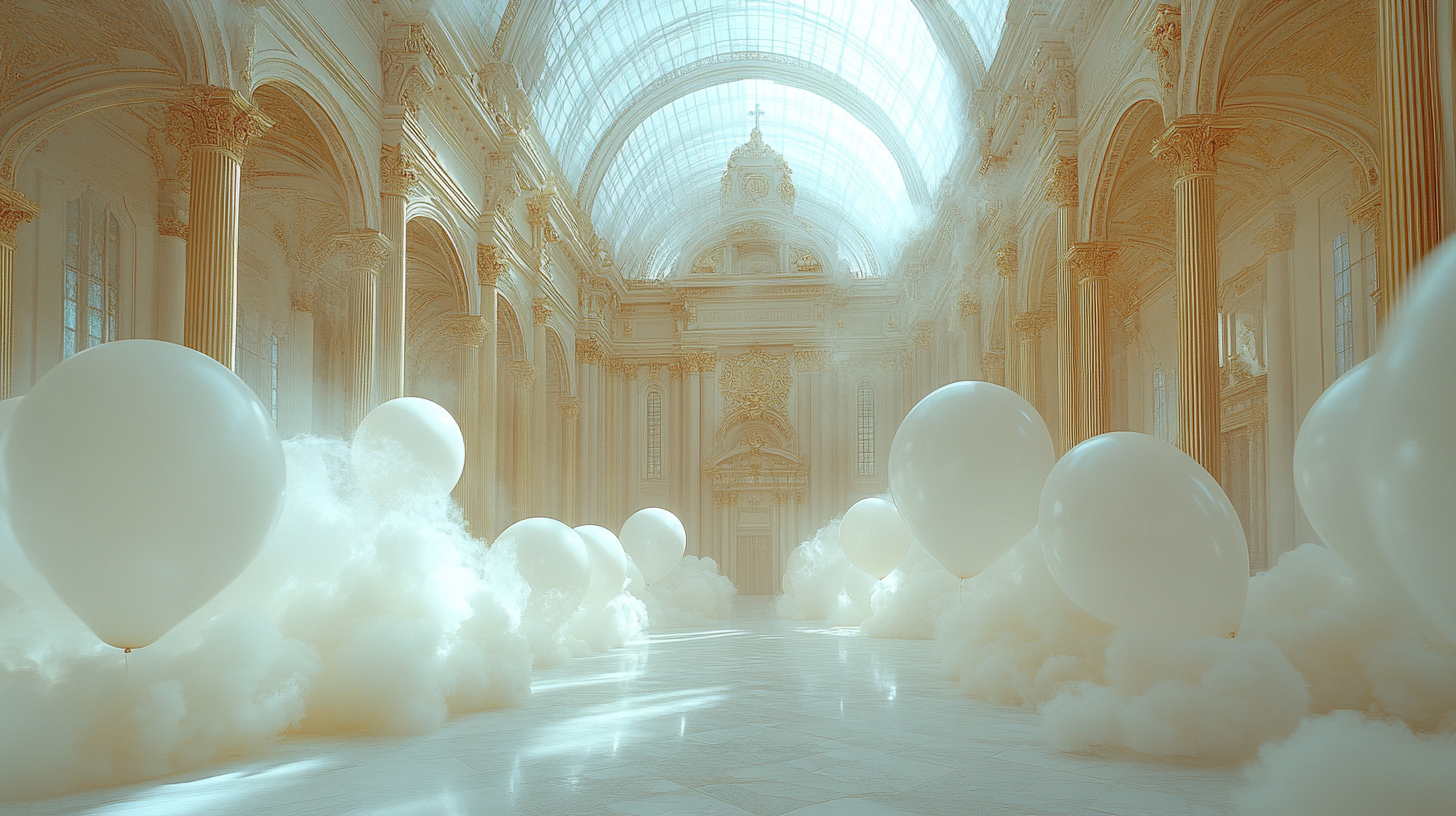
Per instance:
(755,387)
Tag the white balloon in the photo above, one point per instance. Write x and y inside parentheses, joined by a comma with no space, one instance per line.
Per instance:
(1409,440)
(144,477)
(1328,475)
(874,537)
(550,556)
(656,541)
(1139,535)
(966,469)
(408,446)
(16,571)
(608,565)
(636,584)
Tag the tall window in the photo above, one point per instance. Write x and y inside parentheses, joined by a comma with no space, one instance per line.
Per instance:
(654,434)
(92,277)
(257,365)
(865,406)
(1160,404)
(1344,324)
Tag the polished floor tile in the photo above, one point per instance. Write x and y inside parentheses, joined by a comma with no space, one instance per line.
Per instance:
(757,716)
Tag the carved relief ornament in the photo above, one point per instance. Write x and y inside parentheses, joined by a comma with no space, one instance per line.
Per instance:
(465,329)
(15,209)
(362,250)
(1164,37)
(1091,259)
(1278,236)
(397,174)
(488,264)
(1006,259)
(1189,147)
(1060,187)
(541,310)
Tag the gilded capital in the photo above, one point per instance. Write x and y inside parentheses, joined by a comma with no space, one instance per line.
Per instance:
(589,350)
(15,209)
(488,264)
(969,305)
(1278,236)
(206,116)
(924,335)
(1031,323)
(1091,259)
(397,174)
(465,329)
(570,407)
(362,250)
(993,365)
(1060,187)
(1006,259)
(1189,147)
(524,373)
(541,310)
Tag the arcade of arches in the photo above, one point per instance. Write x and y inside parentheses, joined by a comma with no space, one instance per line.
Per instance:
(713,273)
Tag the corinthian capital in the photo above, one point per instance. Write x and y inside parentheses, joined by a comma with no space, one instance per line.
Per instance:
(209,116)
(1060,187)
(411,66)
(15,209)
(488,264)
(1189,147)
(1091,259)
(397,175)
(1006,259)
(464,329)
(363,250)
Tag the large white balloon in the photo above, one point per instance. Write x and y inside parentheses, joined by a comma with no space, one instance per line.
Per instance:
(143,478)
(408,446)
(1328,475)
(608,565)
(1409,440)
(550,556)
(1139,535)
(874,537)
(656,541)
(966,469)
(636,584)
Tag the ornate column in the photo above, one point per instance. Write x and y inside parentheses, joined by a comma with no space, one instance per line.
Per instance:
(590,359)
(15,209)
(214,126)
(970,308)
(524,451)
(1412,184)
(993,365)
(1089,264)
(1061,190)
(365,253)
(468,333)
(540,314)
(171,260)
(705,423)
(397,178)
(488,269)
(1189,148)
(571,473)
(1006,260)
(1277,239)
(1029,326)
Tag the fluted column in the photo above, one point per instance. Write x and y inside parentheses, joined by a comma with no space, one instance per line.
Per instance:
(1061,190)
(1006,260)
(397,178)
(1277,239)
(364,253)
(704,424)
(467,332)
(993,365)
(540,314)
(1189,148)
(524,375)
(214,126)
(15,209)
(570,408)
(488,269)
(171,260)
(1029,326)
(970,307)
(1089,263)
(1412,183)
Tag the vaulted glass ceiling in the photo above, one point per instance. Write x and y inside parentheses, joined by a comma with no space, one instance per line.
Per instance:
(641,103)
(673,161)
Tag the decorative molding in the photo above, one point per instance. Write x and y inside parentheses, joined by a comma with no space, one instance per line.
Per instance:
(1060,187)
(465,329)
(812,360)
(969,304)
(361,249)
(488,264)
(570,407)
(523,372)
(589,350)
(411,66)
(1006,260)
(173,227)
(755,387)
(541,310)
(1091,259)
(1164,37)
(1032,323)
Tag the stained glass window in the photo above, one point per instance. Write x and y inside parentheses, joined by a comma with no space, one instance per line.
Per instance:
(866,410)
(654,434)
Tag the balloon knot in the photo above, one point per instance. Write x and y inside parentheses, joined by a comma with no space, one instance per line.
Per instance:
(126,651)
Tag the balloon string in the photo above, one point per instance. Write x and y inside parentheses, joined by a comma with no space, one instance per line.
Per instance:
(126,662)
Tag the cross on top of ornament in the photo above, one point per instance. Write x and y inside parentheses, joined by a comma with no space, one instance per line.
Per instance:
(757,114)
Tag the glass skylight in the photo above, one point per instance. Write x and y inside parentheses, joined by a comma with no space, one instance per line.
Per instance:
(664,183)
(984,19)
(600,55)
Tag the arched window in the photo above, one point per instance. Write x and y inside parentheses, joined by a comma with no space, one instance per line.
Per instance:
(654,434)
(865,406)
(1344,323)
(92,277)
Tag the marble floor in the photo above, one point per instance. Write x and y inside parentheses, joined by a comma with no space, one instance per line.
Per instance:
(757,716)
